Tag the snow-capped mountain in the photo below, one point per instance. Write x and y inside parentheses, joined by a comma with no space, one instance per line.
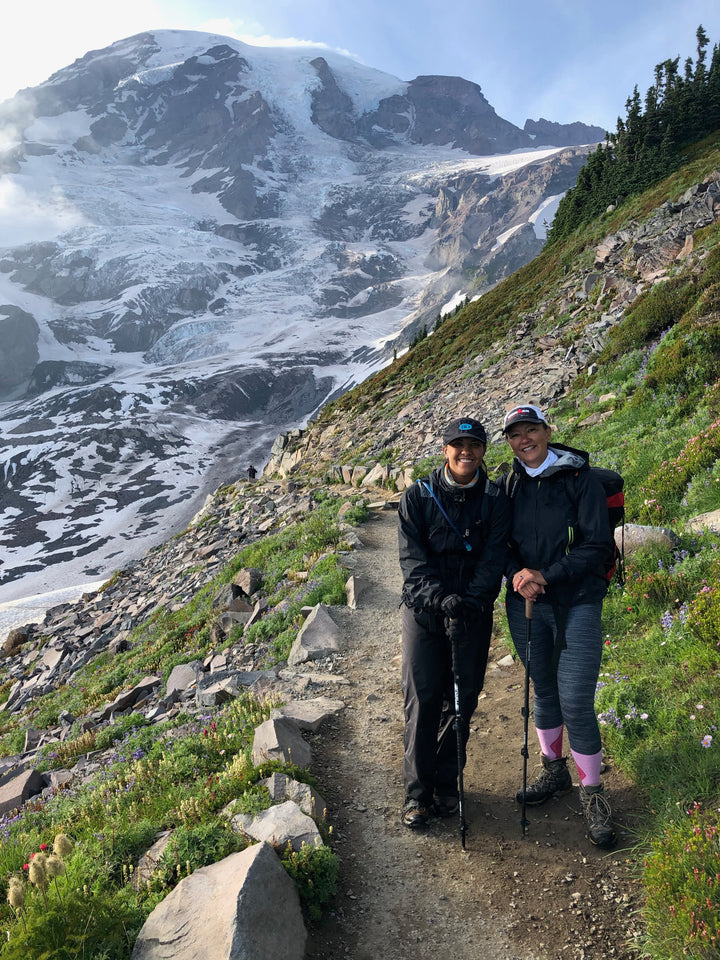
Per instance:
(200,242)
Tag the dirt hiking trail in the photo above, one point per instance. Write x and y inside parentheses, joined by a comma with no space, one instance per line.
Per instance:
(416,895)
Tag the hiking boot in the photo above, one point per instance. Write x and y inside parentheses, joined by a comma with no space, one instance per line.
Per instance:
(445,806)
(414,814)
(598,815)
(554,779)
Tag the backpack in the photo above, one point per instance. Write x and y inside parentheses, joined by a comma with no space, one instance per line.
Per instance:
(613,484)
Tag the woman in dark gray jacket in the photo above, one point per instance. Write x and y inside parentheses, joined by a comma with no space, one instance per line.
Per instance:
(560,549)
(453,530)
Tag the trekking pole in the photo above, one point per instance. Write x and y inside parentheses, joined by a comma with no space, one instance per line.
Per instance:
(453,630)
(524,822)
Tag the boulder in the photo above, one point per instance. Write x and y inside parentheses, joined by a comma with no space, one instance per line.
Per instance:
(318,637)
(706,521)
(149,861)
(128,698)
(15,792)
(281,824)
(308,714)
(282,787)
(15,639)
(244,907)
(635,536)
(215,694)
(280,739)
(183,676)
(249,580)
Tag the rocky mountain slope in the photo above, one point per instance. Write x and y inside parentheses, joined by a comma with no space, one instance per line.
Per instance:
(203,241)
(539,358)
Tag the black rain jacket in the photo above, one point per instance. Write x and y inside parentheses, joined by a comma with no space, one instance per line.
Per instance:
(434,559)
(560,527)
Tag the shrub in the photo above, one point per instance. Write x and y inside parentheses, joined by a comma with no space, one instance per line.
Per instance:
(686,361)
(703,492)
(666,485)
(682,877)
(703,616)
(658,309)
(198,846)
(315,871)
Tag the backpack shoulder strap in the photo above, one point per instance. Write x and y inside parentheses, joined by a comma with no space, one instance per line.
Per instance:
(510,482)
(452,526)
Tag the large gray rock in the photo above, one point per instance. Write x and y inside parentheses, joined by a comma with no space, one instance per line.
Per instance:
(706,521)
(183,676)
(245,907)
(308,714)
(282,787)
(318,637)
(282,824)
(635,536)
(128,698)
(15,792)
(280,739)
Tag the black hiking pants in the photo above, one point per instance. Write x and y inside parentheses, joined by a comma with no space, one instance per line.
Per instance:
(430,764)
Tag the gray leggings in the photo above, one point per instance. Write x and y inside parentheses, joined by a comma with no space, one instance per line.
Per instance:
(564,687)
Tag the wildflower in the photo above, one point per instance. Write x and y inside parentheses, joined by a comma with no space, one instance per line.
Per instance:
(16,893)
(643,716)
(16,898)
(706,740)
(54,866)
(38,875)
(63,845)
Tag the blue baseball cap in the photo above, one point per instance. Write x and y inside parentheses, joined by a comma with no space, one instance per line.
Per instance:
(464,427)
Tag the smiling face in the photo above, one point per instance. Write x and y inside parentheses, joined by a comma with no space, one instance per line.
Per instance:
(529,442)
(464,458)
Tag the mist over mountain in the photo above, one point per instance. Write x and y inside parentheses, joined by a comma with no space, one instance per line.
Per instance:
(200,243)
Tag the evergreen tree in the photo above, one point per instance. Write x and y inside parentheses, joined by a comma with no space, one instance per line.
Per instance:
(648,143)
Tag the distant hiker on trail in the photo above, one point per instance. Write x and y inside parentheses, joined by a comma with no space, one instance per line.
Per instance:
(453,531)
(559,549)
(251,472)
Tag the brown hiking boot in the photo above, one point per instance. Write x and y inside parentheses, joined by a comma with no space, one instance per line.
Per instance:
(554,779)
(598,815)
(414,814)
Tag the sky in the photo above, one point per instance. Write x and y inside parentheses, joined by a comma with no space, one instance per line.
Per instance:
(564,60)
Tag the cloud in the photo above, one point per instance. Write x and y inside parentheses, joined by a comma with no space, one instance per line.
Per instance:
(228,28)
(25,218)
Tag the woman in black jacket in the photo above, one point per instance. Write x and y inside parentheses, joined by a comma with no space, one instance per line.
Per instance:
(453,530)
(560,549)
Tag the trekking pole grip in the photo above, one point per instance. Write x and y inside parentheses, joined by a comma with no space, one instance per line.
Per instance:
(529,609)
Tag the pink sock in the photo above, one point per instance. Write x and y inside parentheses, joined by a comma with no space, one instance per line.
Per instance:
(588,767)
(551,742)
